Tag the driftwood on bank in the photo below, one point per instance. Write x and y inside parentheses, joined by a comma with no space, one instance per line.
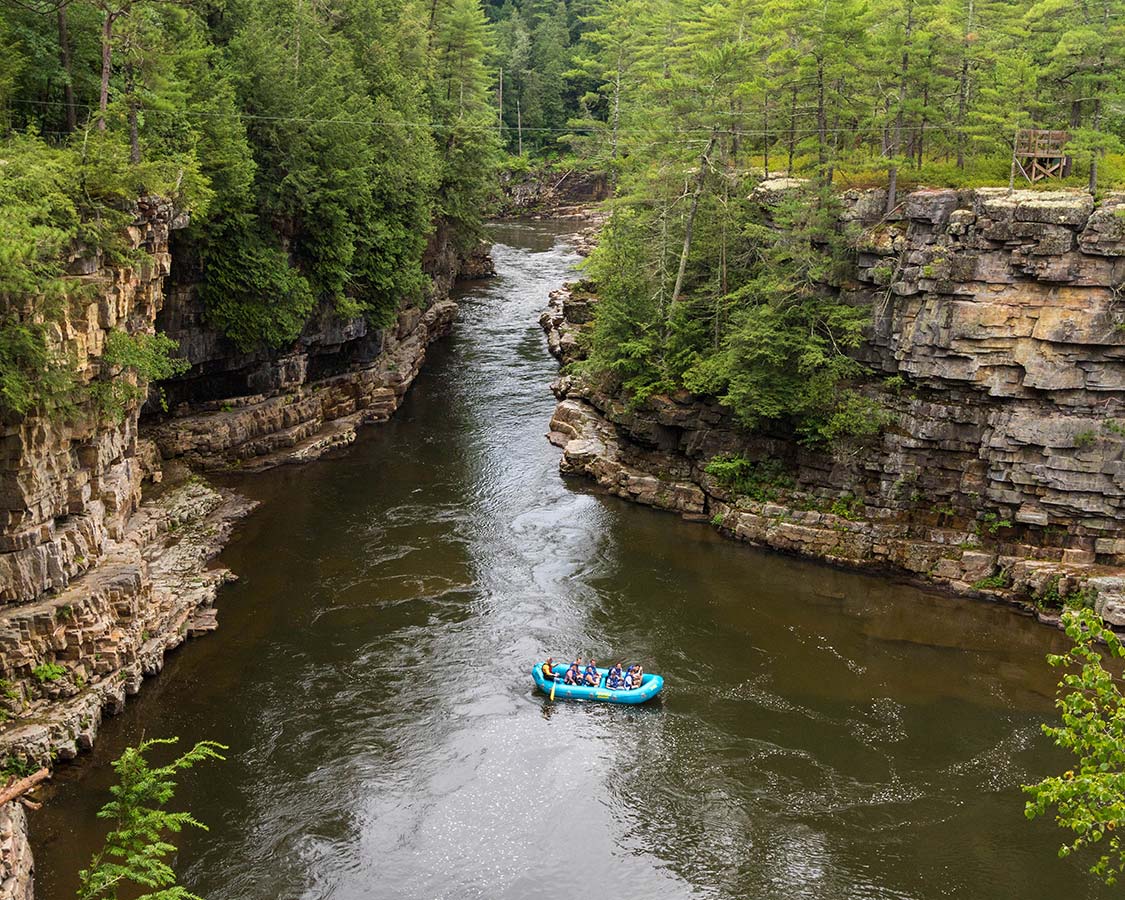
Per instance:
(18,788)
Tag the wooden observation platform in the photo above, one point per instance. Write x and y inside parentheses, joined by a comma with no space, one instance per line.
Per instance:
(1039,154)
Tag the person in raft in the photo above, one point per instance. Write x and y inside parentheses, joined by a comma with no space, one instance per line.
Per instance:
(574,673)
(591,676)
(549,669)
(615,672)
(614,681)
(633,678)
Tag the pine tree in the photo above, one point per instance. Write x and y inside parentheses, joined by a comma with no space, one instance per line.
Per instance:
(135,850)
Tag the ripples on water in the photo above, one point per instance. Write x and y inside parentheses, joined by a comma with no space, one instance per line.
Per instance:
(823,734)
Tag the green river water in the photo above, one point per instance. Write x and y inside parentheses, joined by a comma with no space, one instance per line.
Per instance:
(823,734)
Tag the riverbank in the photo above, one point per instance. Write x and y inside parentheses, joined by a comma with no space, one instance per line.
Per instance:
(107,549)
(993,352)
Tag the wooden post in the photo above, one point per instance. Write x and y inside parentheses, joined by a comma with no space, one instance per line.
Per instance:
(1012,174)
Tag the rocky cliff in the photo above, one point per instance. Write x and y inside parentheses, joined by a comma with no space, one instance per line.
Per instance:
(97,583)
(549,191)
(249,411)
(997,344)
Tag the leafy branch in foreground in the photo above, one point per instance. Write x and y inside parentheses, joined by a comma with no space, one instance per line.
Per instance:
(1090,802)
(135,849)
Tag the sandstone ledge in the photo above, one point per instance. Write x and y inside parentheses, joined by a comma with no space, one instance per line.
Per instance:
(301,421)
(67,658)
(958,560)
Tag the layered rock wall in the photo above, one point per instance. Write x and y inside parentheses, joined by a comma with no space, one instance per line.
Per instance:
(996,344)
(548,191)
(70,480)
(249,411)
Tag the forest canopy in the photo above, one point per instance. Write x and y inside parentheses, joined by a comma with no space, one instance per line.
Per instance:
(315,145)
(692,104)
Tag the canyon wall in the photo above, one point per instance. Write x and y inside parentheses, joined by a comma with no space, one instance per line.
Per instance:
(250,411)
(545,190)
(97,583)
(95,586)
(998,347)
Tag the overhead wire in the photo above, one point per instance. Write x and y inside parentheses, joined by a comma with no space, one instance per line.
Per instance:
(781,133)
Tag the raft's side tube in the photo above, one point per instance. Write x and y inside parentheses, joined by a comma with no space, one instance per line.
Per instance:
(651,685)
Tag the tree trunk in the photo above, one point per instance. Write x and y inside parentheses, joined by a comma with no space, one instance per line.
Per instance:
(839,89)
(134,136)
(922,126)
(963,89)
(821,119)
(107,65)
(792,127)
(700,177)
(1094,153)
(64,59)
(896,149)
(519,124)
(616,102)
(21,787)
(766,132)
(433,24)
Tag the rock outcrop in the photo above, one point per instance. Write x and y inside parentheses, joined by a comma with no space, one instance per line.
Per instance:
(997,344)
(17,868)
(253,410)
(69,482)
(299,418)
(547,191)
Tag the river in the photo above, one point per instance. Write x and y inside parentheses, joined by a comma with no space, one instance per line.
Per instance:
(823,734)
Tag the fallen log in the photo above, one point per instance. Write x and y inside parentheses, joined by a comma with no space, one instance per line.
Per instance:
(18,788)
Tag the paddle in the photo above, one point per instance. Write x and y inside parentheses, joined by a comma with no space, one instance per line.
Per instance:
(554,683)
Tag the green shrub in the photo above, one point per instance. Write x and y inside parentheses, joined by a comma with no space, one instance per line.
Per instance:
(1000,580)
(146,357)
(760,480)
(18,767)
(48,672)
(847,507)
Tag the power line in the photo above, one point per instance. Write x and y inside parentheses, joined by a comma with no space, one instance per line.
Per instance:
(780,133)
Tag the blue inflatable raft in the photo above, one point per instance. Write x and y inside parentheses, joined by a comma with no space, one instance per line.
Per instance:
(651,685)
